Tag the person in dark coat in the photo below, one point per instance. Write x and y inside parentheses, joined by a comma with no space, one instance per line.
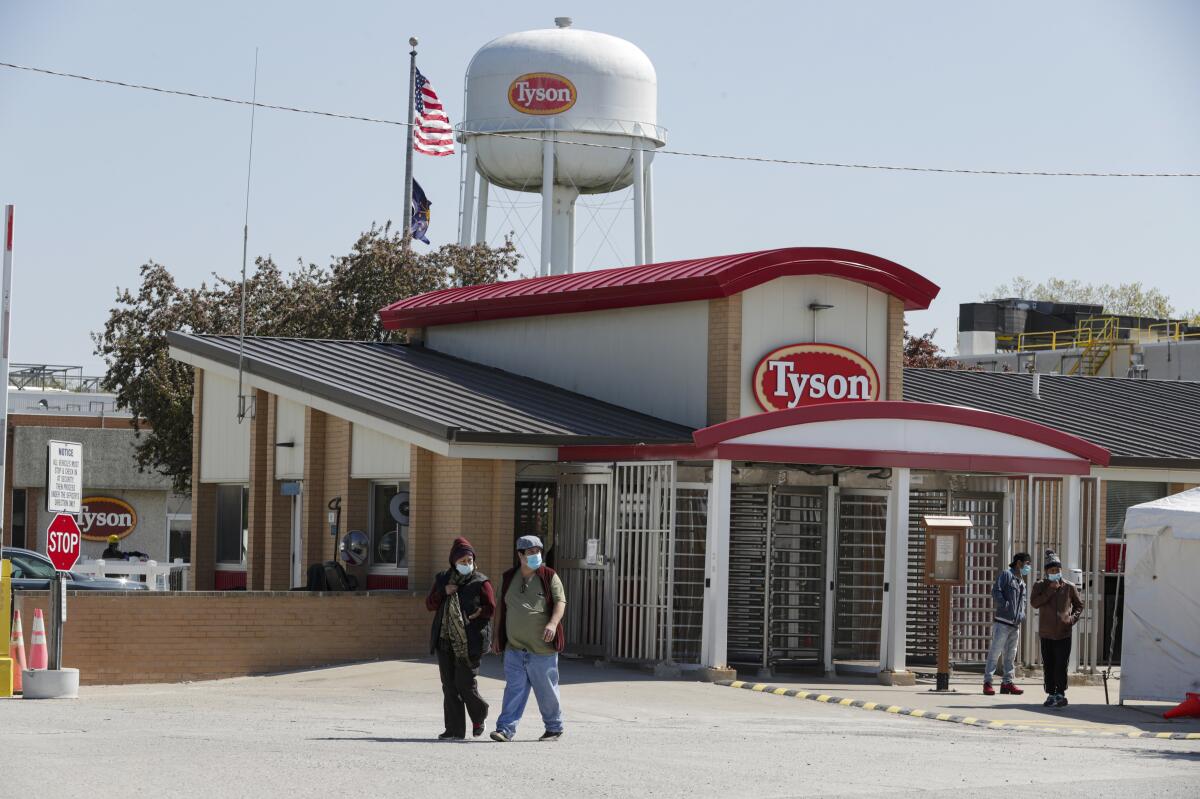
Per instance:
(463,603)
(1059,608)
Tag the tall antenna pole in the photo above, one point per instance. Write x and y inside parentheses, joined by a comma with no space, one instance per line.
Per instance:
(408,151)
(242,404)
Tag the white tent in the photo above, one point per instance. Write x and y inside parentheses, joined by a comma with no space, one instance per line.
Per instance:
(1160,637)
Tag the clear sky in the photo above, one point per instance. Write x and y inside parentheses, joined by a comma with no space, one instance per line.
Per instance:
(106,178)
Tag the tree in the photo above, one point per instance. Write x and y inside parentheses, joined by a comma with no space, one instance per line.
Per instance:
(922,353)
(341,301)
(1130,299)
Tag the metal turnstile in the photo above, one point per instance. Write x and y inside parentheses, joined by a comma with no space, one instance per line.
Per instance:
(777,576)
(862,537)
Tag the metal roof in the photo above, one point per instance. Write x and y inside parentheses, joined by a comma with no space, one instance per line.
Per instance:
(1149,423)
(436,394)
(655,284)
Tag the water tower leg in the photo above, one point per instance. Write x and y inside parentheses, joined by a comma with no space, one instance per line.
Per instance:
(649,192)
(562,249)
(547,201)
(639,206)
(481,214)
(468,194)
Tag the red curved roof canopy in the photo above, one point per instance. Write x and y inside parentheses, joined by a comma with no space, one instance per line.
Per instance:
(921,411)
(655,284)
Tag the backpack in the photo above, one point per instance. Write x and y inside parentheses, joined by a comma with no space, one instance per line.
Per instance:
(316,578)
(336,578)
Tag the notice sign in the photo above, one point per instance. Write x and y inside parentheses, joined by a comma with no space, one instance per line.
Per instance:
(64,477)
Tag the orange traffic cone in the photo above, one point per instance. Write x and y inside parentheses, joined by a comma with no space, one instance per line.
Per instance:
(16,651)
(39,655)
(1188,707)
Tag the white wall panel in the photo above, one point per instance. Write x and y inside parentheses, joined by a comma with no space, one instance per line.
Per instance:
(776,314)
(903,435)
(289,426)
(375,455)
(652,359)
(224,444)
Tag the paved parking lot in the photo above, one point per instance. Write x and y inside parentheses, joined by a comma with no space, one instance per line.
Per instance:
(367,730)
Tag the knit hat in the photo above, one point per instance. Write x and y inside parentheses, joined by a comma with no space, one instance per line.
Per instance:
(461,547)
(1051,560)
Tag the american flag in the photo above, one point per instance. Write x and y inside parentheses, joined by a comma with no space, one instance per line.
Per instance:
(432,133)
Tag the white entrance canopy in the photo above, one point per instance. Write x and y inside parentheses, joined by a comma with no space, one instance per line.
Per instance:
(1160,638)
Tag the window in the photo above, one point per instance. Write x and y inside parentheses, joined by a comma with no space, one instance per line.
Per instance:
(232,533)
(179,537)
(31,568)
(18,518)
(389,524)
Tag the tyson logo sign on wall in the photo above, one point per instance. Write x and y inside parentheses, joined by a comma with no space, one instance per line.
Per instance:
(105,516)
(541,93)
(810,374)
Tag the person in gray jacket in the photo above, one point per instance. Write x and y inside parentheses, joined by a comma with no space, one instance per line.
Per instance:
(1010,597)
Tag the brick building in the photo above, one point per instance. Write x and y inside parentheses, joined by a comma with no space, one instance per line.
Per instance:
(48,403)
(719,454)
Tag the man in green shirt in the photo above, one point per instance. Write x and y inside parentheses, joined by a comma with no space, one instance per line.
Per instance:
(529,633)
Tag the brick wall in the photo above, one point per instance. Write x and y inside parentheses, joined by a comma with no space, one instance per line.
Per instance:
(724,359)
(895,356)
(277,533)
(262,480)
(460,496)
(141,637)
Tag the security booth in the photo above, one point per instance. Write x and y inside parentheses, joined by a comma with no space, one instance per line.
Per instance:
(716,452)
(813,549)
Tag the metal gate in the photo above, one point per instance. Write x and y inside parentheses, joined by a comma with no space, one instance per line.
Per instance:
(583,508)
(862,536)
(971,604)
(777,576)
(641,548)
(922,605)
(749,514)
(687,562)
(796,612)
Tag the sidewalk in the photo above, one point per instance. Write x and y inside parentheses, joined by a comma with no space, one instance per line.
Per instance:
(1086,715)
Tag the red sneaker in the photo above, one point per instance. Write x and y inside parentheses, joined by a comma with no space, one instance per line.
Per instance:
(988,690)
(1009,688)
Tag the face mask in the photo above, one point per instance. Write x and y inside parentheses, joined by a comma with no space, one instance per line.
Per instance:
(533,561)
(1025,570)
(464,568)
(1054,577)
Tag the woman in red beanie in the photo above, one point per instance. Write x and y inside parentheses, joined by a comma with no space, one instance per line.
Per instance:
(463,603)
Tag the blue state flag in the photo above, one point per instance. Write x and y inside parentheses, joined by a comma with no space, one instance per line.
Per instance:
(420,213)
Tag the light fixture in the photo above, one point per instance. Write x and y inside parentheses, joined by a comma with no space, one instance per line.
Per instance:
(818,306)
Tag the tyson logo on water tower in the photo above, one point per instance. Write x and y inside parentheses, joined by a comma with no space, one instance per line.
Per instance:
(541,93)
(811,374)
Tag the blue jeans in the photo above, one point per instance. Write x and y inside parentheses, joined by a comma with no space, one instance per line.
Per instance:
(1004,644)
(524,671)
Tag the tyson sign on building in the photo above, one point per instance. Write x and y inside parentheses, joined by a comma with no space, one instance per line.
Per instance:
(541,93)
(105,516)
(811,374)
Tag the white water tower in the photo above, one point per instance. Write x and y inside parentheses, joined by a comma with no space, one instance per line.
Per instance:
(557,87)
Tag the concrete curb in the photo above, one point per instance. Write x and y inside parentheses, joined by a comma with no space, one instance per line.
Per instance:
(925,714)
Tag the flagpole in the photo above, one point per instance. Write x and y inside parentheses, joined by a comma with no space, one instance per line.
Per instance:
(408,152)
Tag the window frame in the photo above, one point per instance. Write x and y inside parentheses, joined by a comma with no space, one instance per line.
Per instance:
(399,484)
(243,521)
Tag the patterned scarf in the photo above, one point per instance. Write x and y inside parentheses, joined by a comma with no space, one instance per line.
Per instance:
(454,627)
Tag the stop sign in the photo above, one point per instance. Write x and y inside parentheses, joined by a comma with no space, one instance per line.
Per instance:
(63,541)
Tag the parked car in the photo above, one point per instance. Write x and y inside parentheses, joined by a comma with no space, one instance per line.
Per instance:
(32,571)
